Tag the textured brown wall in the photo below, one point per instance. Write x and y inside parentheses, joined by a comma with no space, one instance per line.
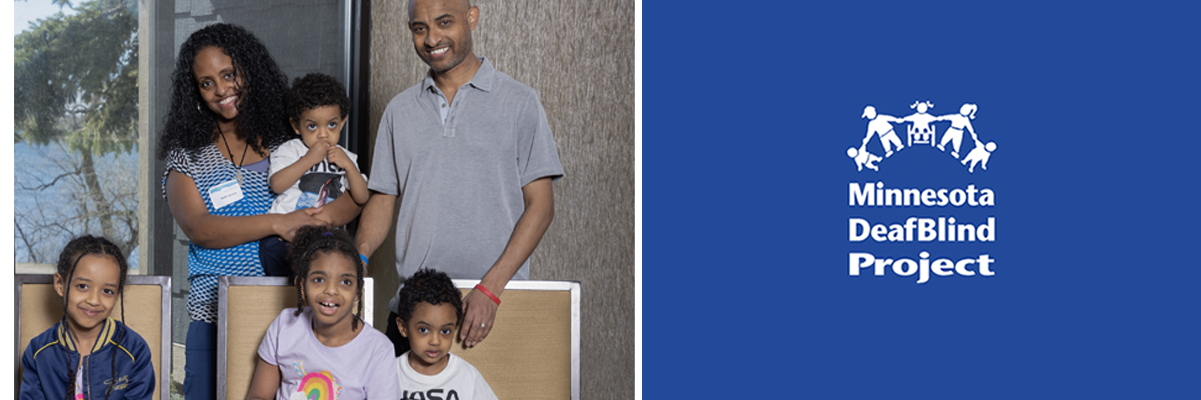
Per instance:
(579,56)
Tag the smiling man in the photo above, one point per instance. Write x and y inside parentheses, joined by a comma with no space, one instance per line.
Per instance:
(469,153)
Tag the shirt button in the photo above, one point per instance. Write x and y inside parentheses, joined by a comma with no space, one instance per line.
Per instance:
(443,105)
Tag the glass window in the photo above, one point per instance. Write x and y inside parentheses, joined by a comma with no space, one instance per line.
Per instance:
(76,137)
(92,85)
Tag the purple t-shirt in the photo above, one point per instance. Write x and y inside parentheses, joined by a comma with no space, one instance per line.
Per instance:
(362,369)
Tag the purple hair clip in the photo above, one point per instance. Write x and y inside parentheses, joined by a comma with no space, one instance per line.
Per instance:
(327,233)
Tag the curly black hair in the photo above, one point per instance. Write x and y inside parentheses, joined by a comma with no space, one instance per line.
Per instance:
(315,90)
(65,269)
(261,122)
(310,241)
(428,286)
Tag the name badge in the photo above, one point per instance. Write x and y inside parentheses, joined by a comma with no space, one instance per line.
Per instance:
(225,194)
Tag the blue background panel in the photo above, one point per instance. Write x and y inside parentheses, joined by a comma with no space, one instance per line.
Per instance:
(748,111)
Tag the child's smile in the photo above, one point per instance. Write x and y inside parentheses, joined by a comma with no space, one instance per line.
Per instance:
(328,307)
(330,289)
(431,332)
(92,293)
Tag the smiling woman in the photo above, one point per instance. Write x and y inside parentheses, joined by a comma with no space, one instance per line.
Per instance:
(226,118)
(80,170)
(219,83)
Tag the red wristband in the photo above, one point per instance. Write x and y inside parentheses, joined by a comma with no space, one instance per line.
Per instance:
(485,291)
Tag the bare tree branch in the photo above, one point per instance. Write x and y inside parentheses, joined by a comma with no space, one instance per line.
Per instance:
(52,182)
(33,256)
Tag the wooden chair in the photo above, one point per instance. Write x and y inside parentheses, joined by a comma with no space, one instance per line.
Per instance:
(534,351)
(533,354)
(148,302)
(246,306)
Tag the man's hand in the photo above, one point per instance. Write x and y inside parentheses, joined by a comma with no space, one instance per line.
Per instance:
(479,312)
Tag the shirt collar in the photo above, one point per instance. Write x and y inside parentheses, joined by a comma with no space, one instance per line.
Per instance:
(105,336)
(482,80)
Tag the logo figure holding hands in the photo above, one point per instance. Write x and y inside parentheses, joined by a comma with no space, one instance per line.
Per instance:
(863,158)
(959,122)
(881,125)
(979,154)
(921,131)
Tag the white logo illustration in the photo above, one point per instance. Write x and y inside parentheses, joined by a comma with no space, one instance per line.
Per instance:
(921,130)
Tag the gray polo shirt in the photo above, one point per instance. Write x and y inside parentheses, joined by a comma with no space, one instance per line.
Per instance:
(459,182)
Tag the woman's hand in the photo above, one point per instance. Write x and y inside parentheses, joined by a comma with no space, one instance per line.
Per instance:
(286,227)
(219,232)
(338,212)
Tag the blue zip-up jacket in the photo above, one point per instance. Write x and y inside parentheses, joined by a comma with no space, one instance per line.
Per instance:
(50,356)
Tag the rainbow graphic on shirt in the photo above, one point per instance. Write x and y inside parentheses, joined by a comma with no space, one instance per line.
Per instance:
(316,386)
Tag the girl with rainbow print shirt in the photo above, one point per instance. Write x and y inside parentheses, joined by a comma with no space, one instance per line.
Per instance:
(320,350)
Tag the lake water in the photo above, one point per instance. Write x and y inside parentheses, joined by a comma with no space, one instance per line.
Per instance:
(52,215)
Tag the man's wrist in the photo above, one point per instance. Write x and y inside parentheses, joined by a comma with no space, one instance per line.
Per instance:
(488,293)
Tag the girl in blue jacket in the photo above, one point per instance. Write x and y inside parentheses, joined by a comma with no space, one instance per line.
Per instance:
(88,355)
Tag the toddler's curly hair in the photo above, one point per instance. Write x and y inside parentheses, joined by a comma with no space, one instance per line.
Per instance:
(315,90)
(429,286)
